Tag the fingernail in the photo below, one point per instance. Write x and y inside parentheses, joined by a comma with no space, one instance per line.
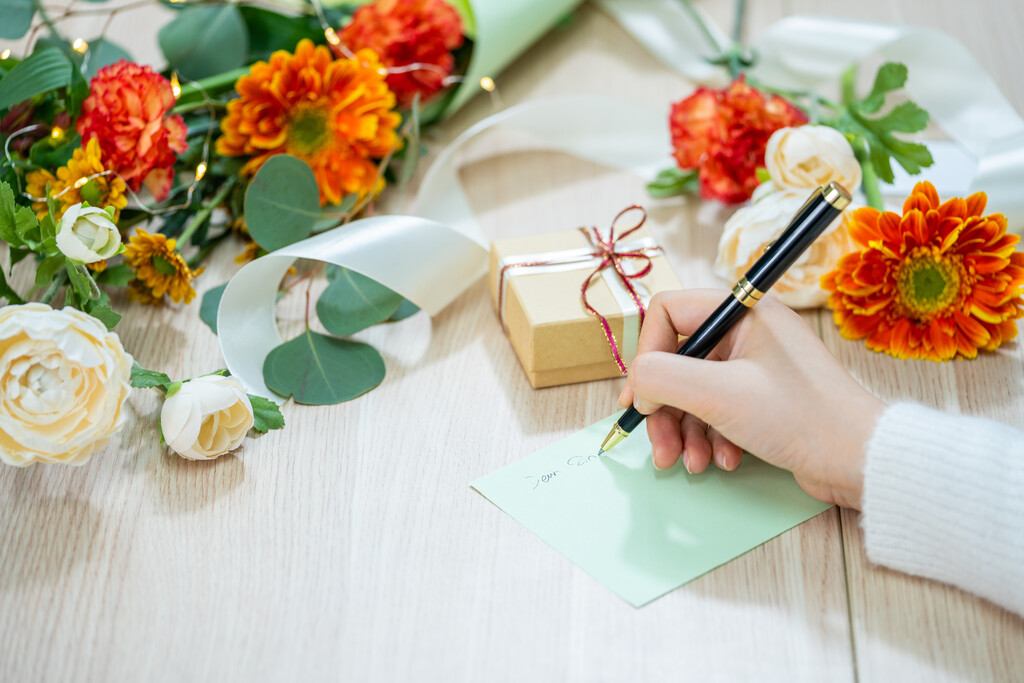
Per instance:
(686,461)
(733,462)
(720,460)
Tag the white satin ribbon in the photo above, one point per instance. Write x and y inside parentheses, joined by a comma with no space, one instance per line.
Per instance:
(436,255)
(804,52)
(580,259)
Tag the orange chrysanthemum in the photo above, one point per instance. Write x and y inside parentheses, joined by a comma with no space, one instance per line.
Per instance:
(406,33)
(939,282)
(336,115)
(159,269)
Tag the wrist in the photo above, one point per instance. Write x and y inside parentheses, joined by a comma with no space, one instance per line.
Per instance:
(859,420)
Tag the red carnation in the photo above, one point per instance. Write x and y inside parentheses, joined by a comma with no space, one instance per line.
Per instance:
(127,112)
(404,33)
(723,133)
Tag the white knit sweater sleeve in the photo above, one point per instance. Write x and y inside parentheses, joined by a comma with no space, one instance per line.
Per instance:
(944,499)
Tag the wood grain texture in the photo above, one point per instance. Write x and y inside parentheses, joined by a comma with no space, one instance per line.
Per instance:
(349,547)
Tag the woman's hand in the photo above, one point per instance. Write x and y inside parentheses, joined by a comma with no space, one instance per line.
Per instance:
(776,391)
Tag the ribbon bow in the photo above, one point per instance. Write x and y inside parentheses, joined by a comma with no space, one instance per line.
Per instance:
(611,255)
(605,249)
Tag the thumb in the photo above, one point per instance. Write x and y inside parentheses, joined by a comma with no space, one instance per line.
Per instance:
(695,386)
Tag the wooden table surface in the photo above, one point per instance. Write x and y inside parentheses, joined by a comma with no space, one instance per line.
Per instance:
(350,547)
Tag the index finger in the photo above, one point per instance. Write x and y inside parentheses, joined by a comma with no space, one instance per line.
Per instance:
(675,313)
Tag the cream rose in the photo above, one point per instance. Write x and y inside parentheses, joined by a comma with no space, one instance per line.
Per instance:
(63,381)
(207,417)
(87,234)
(808,157)
(751,228)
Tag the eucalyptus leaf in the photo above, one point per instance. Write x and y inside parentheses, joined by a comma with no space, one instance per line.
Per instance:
(270,31)
(282,202)
(352,302)
(103,52)
(205,40)
(44,70)
(17,16)
(210,305)
(405,310)
(315,369)
(411,156)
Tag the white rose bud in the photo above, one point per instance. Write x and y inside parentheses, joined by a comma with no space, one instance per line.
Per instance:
(87,234)
(751,229)
(207,417)
(63,381)
(808,157)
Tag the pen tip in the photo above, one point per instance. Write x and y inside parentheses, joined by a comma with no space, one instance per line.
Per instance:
(600,452)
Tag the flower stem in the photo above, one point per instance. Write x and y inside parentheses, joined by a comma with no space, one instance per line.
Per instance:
(203,214)
(737,21)
(45,17)
(211,85)
(870,178)
(699,21)
(198,104)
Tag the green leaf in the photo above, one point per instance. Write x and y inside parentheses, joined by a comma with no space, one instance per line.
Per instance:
(282,202)
(103,52)
(82,282)
(116,276)
(105,314)
(405,309)
(210,305)
(671,182)
(904,118)
(142,378)
(7,292)
(17,16)
(267,414)
(9,216)
(315,369)
(353,302)
(44,70)
(18,255)
(50,153)
(205,41)
(270,31)
(891,76)
(48,268)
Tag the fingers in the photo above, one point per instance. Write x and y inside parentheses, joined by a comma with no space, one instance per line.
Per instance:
(727,455)
(666,440)
(675,313)
(696,449)
(689,384)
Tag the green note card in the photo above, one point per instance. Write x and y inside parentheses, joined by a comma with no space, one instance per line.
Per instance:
(639,531)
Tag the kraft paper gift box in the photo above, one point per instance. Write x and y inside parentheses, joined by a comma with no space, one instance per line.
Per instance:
(556,339)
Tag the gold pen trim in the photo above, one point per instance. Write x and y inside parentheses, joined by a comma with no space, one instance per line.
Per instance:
(837,196)
(616,435)
(746,293)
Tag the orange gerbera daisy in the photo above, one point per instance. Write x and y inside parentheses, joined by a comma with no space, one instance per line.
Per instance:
(159,269)
(939,282)
(336,115)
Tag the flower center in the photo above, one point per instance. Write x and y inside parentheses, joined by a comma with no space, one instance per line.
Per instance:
(928,284)
(307,130)
(163,266)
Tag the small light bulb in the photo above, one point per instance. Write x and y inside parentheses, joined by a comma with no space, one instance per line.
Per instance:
(81,182)
(332,36)
(177,1)
(200,170)
(57,133)
(175,85)
(5,54)
(80,46)
(487,83)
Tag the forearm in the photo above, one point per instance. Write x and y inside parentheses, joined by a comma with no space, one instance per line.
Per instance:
(944,498)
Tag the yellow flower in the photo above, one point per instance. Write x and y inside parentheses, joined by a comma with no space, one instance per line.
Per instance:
(336,115)
(101,191)
(159,269)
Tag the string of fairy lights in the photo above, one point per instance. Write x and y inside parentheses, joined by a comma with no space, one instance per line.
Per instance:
(82,47)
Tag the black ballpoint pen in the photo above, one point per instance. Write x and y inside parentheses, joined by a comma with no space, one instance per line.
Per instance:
(809,222)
